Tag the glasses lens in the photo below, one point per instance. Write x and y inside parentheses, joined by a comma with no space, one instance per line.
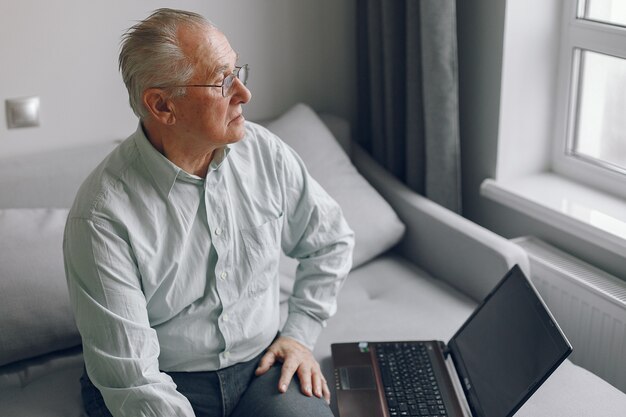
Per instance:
(228,82)
(242,74)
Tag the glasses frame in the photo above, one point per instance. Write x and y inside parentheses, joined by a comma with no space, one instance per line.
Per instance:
(227,82)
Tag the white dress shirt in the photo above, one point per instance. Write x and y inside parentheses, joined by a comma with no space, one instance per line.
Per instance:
(168,271)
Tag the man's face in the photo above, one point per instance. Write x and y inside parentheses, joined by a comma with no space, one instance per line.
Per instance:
(203,116)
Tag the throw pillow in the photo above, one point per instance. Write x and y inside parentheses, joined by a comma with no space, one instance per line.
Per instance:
(376,226)
(35,313)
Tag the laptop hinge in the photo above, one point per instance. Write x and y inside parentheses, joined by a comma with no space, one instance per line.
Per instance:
(456,383)
(444,349)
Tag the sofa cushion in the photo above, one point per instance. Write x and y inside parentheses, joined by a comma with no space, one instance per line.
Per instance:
(392,299)
(375,224)
(46,386)
(35,313)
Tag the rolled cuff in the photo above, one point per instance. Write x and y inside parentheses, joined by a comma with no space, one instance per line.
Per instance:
(303,328)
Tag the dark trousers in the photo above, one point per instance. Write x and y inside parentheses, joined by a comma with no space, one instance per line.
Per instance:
(231,392)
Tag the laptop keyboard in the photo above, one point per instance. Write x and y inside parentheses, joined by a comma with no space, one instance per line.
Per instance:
(409,381)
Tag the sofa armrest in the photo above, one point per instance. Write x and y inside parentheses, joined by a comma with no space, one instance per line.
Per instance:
(446,245)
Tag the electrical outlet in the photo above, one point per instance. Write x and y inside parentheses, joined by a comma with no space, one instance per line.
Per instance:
(22,112)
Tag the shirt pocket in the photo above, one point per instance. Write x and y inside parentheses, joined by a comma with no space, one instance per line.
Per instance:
(262,249)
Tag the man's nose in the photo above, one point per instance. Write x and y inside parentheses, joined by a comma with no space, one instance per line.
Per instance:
(240,92)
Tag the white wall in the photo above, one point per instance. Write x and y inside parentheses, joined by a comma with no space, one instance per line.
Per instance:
(66,52)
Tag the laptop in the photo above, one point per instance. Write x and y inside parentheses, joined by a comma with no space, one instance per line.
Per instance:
(498,358)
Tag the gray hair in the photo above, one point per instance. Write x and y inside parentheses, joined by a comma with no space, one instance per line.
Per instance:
(150,55)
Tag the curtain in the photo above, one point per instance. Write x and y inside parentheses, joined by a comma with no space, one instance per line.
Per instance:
(408,93)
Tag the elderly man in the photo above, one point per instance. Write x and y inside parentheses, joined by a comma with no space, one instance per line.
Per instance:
(172,245)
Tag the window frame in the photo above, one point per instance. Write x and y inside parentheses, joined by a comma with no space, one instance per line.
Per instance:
(579,34)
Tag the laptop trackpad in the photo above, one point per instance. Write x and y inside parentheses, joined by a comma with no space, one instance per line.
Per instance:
(357,377)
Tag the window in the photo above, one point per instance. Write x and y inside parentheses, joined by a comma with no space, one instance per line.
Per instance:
(591,115)
(600,129)
(561,149)
(604,11)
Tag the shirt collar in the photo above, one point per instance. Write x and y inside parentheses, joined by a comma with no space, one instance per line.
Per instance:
(163,171)
(219,158)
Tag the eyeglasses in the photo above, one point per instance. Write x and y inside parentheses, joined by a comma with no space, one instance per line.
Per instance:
(241,73)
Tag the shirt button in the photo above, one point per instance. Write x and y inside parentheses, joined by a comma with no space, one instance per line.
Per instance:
(223,275)
(227,354)
(225,317)
(218,231)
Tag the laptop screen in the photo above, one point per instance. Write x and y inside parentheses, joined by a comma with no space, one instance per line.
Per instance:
(507,348)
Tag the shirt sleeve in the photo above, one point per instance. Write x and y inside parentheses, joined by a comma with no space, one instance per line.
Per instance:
(120,348)
(315,233)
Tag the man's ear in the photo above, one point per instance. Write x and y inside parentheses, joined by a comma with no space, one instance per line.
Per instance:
(159,106)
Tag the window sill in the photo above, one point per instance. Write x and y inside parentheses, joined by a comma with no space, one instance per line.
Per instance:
(584,212)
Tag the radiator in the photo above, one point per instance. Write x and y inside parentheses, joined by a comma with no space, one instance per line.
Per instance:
(588,303)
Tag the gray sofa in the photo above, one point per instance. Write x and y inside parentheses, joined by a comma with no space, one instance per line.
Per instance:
(419,272)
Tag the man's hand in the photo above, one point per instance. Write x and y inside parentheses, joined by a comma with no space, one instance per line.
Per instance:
(295,358)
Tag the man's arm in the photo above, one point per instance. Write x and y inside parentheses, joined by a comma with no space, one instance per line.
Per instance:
(316,233)
(120,348)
